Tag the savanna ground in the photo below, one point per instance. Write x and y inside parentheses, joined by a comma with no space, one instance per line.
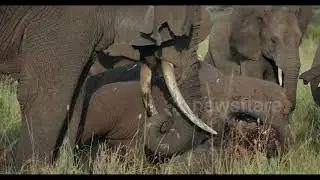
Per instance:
(303,155)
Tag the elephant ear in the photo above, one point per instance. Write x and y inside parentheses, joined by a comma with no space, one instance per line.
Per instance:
(304,15)
(170,21)
(134,24)
(247,25)
(205,24)
(151,25)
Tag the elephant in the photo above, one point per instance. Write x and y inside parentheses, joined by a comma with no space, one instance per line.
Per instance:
(312,76)
(232,101)
(53,46)
(260,42)
(125,124)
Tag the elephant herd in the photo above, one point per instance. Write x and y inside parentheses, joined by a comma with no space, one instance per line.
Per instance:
(130,76)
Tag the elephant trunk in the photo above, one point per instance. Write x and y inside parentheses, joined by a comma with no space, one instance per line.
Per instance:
(167,136)
(312,76)
(291,72)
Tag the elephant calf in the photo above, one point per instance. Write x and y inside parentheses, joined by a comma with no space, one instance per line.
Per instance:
(124,123)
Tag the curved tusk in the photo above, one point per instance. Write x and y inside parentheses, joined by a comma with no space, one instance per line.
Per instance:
(280,77)
(171,83)
(319,84)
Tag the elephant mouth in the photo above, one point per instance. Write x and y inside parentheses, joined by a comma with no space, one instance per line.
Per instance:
(246,134)
(278,72)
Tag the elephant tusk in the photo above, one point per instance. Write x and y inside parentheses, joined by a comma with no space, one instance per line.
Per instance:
(169,77)
(319,84)
(145,83)
(258,121)
(280,77)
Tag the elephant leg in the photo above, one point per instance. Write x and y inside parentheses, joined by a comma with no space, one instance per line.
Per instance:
(44,101)
(75,121)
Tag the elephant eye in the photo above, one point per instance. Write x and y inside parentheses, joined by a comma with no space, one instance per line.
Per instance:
(260,20)
(273,40)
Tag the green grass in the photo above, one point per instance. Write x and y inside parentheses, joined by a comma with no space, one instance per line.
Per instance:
(313,32)
(302,156)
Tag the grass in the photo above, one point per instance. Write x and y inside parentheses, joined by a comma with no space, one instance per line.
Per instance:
(302,156)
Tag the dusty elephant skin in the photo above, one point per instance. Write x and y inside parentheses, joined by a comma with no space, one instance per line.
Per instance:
(312,76)
(169,133)
(125,122)
(52,47)
(260,42)
(230,102)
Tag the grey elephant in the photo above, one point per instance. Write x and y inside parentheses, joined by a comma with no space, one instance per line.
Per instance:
(312,76)
(260,42)
(169,132)
(52,47)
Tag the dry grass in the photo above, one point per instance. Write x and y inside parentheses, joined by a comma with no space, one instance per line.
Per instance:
(302,157)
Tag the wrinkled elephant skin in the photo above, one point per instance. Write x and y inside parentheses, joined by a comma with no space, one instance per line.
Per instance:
(126,121)
(52,48)
(260,42)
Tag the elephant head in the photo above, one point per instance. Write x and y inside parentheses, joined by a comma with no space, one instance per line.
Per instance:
(247,23)
(247,106)
(282,36)
(176,32)
(235,38)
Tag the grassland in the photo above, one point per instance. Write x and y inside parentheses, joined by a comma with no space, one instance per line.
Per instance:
(302,156)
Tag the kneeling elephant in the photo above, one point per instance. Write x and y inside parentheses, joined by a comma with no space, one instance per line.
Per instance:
(250,106)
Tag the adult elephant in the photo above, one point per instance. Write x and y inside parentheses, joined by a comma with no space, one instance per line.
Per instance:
(312,76)
(253,111)
(52,47)
(260,42)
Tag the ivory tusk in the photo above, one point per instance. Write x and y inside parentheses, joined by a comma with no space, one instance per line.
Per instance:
(168,73)
(145,83)
(280,77)
(258,121)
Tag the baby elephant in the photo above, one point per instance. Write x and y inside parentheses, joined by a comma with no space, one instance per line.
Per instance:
(169,133)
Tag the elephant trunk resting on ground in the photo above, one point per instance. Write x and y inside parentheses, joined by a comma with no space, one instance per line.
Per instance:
(52,47)
(313,76)
(264,105)
(260,42)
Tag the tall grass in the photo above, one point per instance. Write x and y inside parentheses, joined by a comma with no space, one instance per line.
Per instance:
(302,156)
